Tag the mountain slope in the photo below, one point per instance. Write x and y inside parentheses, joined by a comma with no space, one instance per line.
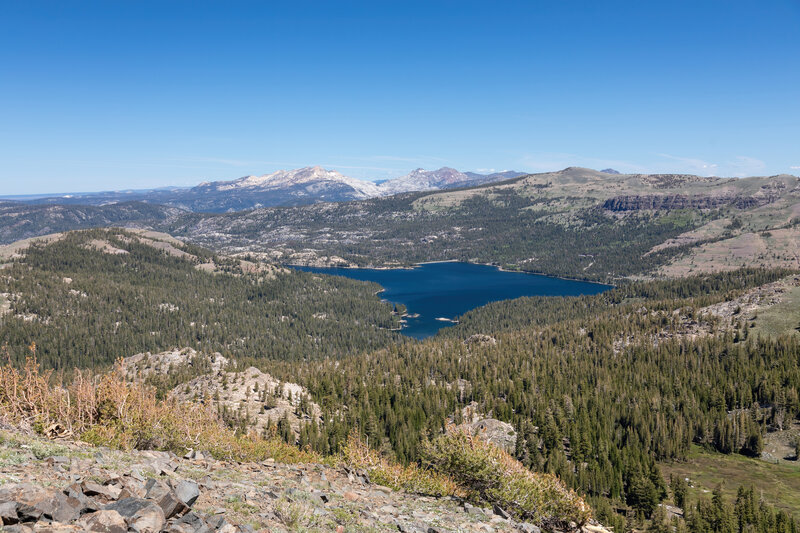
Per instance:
(443,178)
(301,186)
(285,187)
(480,179)
(576,222)
(230,497)
(22,221)
(119,293)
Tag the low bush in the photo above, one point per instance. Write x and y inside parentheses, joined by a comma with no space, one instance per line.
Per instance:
(410,478)
(488,474)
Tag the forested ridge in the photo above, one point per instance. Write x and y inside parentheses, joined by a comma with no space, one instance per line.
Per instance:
(697,291)
(84,307)
(599,389)
(599,393)
(510,229)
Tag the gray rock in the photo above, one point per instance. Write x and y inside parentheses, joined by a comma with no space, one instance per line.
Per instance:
(474,511)
(103,522)
(217,522)
(493,431)
(128,507)
(403,527)
(34,502)
(316,499)
(106,492)
(165,497)
(19,528)
(142,516)
(8,513)
(529,528)
(390,510)
(178,527)
(187,492)
(87,504)
(196,522)
(499,511)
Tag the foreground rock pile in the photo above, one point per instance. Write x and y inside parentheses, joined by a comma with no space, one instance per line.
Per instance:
(116,504)
(47,487)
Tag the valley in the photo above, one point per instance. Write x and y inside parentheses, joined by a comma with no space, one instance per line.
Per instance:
(684,364)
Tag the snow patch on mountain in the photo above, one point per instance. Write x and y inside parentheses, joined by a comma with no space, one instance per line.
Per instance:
(313,179)
(424,180)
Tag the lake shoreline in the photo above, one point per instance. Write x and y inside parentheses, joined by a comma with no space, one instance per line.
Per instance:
(417,265)
(438,293)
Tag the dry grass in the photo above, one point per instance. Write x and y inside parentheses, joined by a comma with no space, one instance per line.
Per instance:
(107,410)
(776,484)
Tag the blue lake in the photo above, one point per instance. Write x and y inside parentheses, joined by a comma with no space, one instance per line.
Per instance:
(447,290)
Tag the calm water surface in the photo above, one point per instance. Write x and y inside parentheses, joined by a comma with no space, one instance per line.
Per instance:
(439,291)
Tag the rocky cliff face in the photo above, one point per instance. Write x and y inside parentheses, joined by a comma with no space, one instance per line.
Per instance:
(681,201)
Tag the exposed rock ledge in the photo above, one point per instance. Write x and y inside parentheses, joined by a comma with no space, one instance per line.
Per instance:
(682,201)
(69,487)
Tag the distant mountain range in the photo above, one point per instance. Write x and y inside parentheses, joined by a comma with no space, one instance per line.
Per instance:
(576,222)
(301,186)
(444,178)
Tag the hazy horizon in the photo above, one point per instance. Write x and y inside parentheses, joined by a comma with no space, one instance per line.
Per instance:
(169,185)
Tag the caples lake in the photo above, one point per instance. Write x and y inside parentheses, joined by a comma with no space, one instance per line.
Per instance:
(435,294)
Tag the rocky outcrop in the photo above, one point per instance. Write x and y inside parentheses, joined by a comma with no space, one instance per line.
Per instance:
(493,431)
(143,365)
(682,201)
(254,398)
(479,339)
(71,487)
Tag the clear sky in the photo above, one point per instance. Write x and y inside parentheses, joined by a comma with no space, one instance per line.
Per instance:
(135,94)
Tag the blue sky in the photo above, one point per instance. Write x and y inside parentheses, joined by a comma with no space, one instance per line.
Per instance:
(111,95)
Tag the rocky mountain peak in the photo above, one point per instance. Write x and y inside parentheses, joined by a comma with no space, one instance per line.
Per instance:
(425,180)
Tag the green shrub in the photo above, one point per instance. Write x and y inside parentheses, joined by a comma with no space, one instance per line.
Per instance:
(409,478)
(488,474)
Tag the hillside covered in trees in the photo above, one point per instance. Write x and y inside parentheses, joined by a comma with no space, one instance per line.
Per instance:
(93,296)
(601,391)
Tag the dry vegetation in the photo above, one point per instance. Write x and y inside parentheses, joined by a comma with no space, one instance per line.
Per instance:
(461,464)
(106,409)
